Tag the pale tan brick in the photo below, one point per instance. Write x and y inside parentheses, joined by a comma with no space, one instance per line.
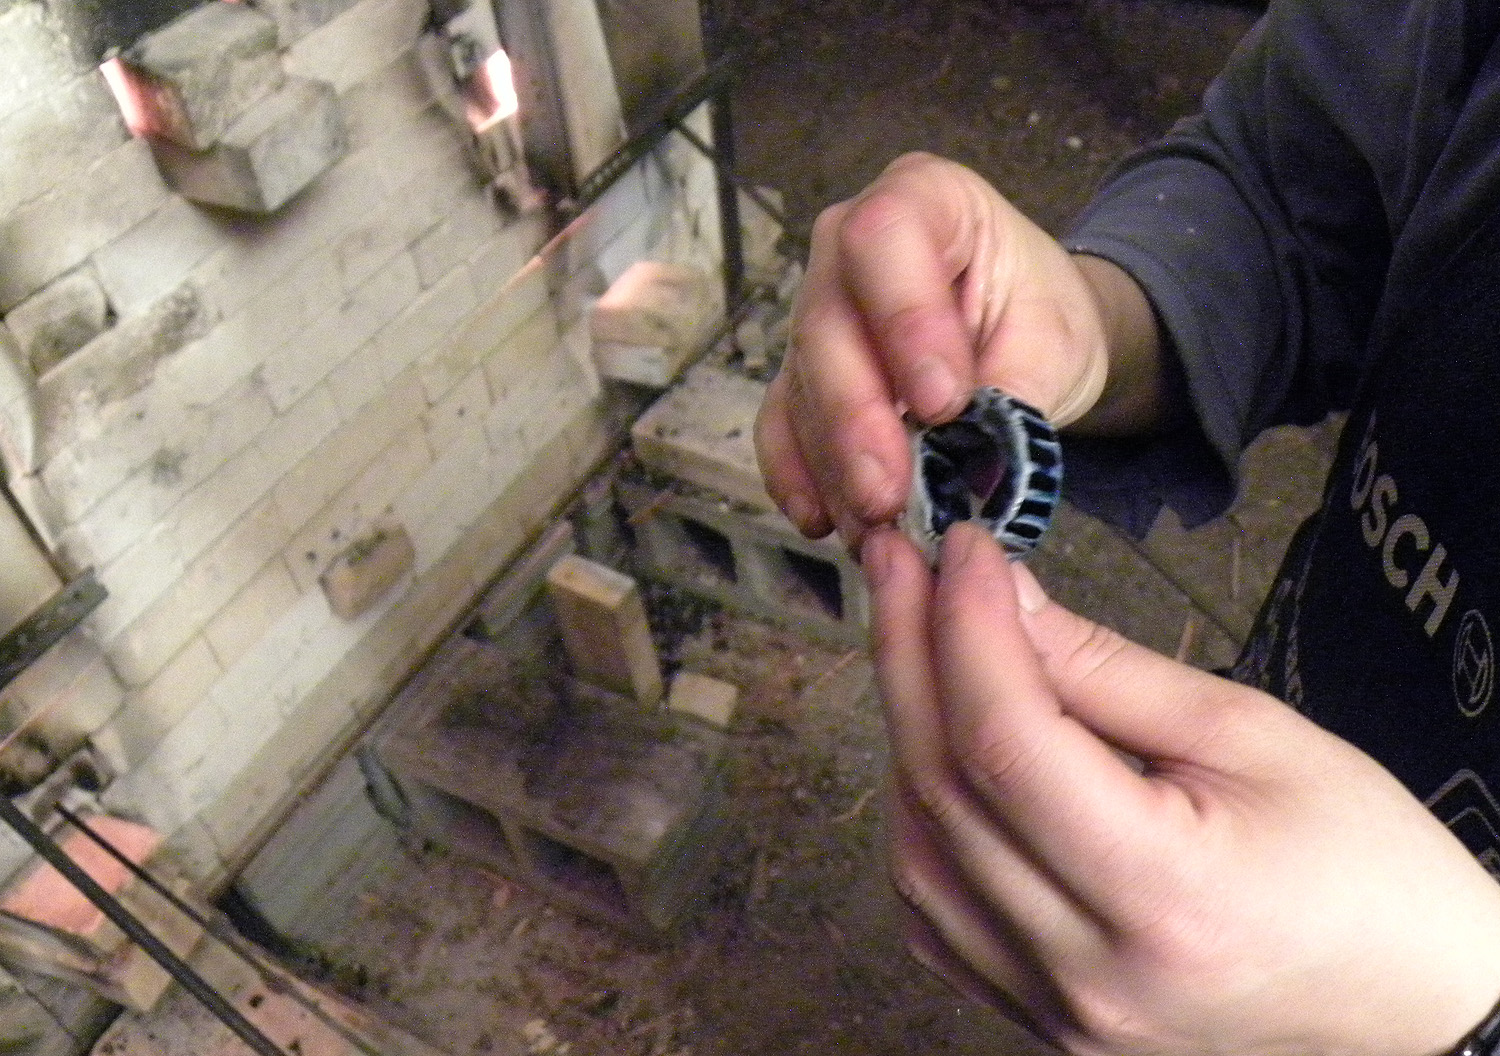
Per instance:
(367,569)
(603,624)
(365,498)
(702,697)
(152,711)
(703,431)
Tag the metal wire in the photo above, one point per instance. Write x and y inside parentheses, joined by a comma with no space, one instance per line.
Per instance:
(137,932)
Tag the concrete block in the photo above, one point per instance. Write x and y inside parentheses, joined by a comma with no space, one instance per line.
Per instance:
(603,624)
(705,698)
(369,568)
(272,152)
(58,320)
(191,80)
(613,812)
(749,560)
(702,432)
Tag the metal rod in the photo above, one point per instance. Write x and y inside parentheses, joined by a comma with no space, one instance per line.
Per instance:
(138,933)
(730,232)
(220,930)
(705,85)
(754,193)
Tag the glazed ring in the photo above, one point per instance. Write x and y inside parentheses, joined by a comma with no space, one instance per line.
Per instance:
(999,462)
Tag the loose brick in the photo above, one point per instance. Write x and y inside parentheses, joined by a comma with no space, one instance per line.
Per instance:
(705,698)
(367,570)
(270,154)
(199,74)
(603,624)
(654,303)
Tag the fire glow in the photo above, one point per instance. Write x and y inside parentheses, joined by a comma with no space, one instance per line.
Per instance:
(134,105)
(490,94)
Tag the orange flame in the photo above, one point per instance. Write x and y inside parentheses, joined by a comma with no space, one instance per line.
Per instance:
(491,93)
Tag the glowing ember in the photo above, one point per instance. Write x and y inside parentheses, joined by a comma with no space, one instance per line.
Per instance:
(148,107)
(490,94)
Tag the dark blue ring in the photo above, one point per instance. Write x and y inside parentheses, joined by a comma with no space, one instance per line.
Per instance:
(999,462)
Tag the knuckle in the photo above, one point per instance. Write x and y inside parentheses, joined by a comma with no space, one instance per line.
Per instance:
(998,763)
(1093,652)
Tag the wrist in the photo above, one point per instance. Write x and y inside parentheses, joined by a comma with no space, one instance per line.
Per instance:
(1133,396)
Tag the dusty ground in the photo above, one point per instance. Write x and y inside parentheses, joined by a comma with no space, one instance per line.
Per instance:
(797,947)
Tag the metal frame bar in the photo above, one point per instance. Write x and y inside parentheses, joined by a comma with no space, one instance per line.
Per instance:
(28,640)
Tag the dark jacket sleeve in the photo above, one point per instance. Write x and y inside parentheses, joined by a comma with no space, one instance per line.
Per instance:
(1262,230)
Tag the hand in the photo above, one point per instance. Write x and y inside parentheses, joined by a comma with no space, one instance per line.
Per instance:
(1134,856)
(920,288)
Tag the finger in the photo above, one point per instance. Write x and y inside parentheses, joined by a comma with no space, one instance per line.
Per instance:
(788,479)
(929,950)
(1158,710)
(1069,800)
(958,937)
(841,409)
(993,868)
(912,216)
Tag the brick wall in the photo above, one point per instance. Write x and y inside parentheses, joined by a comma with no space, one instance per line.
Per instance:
(388,349)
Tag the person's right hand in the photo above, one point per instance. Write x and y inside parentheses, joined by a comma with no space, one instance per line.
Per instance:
(926,285)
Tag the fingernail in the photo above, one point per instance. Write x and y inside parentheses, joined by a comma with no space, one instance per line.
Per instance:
(800,510)
(869,477)
(934,388)
(957,547)
(1028,591)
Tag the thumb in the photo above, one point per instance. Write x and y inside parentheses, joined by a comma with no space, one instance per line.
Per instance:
(1037,704)
(1155,708)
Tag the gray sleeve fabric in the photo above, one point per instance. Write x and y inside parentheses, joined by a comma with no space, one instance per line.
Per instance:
(1262,232)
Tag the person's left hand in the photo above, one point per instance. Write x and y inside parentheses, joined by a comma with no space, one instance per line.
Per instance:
(1134,856)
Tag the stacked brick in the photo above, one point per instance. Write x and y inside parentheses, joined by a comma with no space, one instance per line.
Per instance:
(223,407)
